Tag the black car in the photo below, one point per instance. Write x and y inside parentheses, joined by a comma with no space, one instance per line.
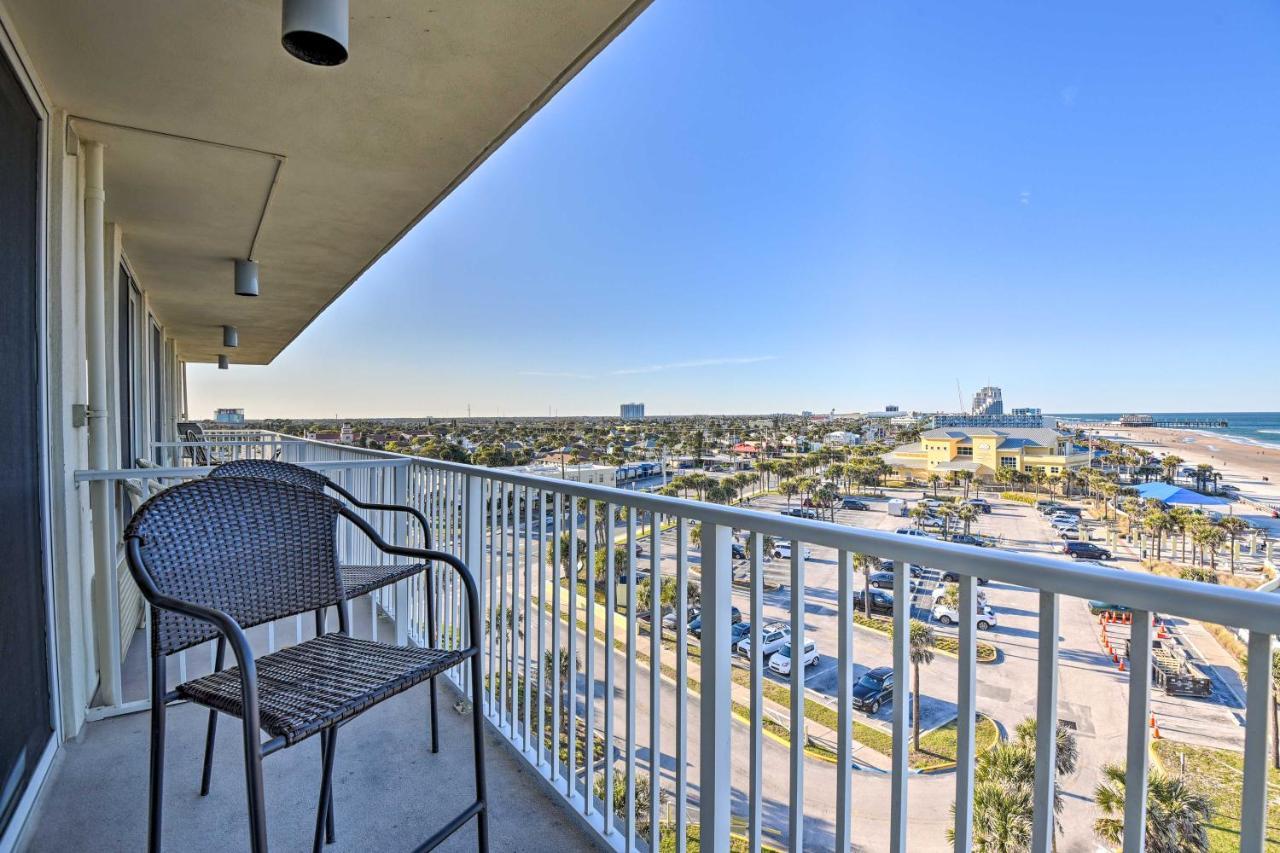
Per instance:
(853,503)
(738,631)
(873,689)
(1085,551)
(968,539)
(952,577)
(695,624)
(980,505)
(914,570)
(881,602)
(739,551)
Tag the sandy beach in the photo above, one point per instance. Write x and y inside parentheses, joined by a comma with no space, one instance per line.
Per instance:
(1254,470)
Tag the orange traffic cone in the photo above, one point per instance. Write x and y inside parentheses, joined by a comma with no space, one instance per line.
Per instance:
(1155,733)
(1115,658)
(1152,724)
(1122,664)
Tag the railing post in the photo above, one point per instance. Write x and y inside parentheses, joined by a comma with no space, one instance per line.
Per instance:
(713,791)
(400,495)
(473,550)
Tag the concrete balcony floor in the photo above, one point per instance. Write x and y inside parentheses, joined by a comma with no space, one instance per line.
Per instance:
(390,791)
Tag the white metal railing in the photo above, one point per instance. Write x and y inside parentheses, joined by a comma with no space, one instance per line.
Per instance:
(558,670)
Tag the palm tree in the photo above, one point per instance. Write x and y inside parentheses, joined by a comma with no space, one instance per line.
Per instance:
(1170,465)
(967,513)
(866,563)
(965,477)
(921,652)
(934,479)
(789,488)
(1176,815)
(919,514)
(1233,526)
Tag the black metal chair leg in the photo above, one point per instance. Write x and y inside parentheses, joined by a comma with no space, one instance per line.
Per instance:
(253,780)
(435,720)
(324,810)
(477,725)
(212,732)
(330,834)
(155,804)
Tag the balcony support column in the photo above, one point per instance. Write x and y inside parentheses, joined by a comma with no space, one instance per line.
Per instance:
(105,591)
(714,784)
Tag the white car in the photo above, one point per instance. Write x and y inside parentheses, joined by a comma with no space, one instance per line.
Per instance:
(948,615)
(1065,521)
(783,551)
(941,590)
(772,638)
(781,660)
(1072,533)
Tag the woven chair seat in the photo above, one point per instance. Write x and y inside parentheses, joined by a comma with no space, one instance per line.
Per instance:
(309,687)
(361,580)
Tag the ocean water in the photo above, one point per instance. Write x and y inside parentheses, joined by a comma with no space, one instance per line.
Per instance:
(1259,428)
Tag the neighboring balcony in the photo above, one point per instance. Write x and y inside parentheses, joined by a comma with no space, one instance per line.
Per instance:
(598,710)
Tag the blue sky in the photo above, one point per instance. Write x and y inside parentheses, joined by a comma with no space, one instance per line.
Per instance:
(750,206)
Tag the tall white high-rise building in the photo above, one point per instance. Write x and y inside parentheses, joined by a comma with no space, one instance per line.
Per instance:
(988,401)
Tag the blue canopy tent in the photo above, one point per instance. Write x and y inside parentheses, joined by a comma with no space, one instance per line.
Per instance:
(1170,494)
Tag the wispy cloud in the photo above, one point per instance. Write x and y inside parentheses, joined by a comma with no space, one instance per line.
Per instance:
(701,362)
(555,374)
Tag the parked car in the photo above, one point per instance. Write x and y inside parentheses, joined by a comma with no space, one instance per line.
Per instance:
(739,551)
(801,512)
(932,504)
(695,624)
(781,660)
(910,531)
(935,522)
(1062,521)
(738,632)
(783,550)
(969,539)
(1071,533)
(884,580)
(853,503)
(1046,506)
(952,577)
(881,602)
(1096,607)
(1069,510)
(669,621)
(1086,550)
(979,504)
(873,689)
(773,636)
(914,570)
(948,615)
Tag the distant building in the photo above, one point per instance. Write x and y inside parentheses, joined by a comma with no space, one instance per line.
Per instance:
(982,451)
(597,475)
(841,438)
(631,411)
(988,401)
(1016,419)
(230,417)
(891,408)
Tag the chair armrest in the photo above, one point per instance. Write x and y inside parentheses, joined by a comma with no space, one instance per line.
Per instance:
(428,556)
(422,519)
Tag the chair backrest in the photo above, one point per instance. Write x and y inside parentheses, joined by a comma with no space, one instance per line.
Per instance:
(269,469)
(258,550)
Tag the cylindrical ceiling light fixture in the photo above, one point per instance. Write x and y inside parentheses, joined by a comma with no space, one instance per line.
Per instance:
(223,362)
(316,31)
(246,278)
(230,337)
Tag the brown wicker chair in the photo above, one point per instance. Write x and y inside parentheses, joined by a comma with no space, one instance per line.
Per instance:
(215,556)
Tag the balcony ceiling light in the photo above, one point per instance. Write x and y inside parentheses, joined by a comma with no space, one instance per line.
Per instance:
(315,31)
(230,336)
(246,278)
(223,362)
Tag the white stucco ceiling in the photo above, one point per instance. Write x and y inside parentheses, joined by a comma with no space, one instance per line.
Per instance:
(201,111)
